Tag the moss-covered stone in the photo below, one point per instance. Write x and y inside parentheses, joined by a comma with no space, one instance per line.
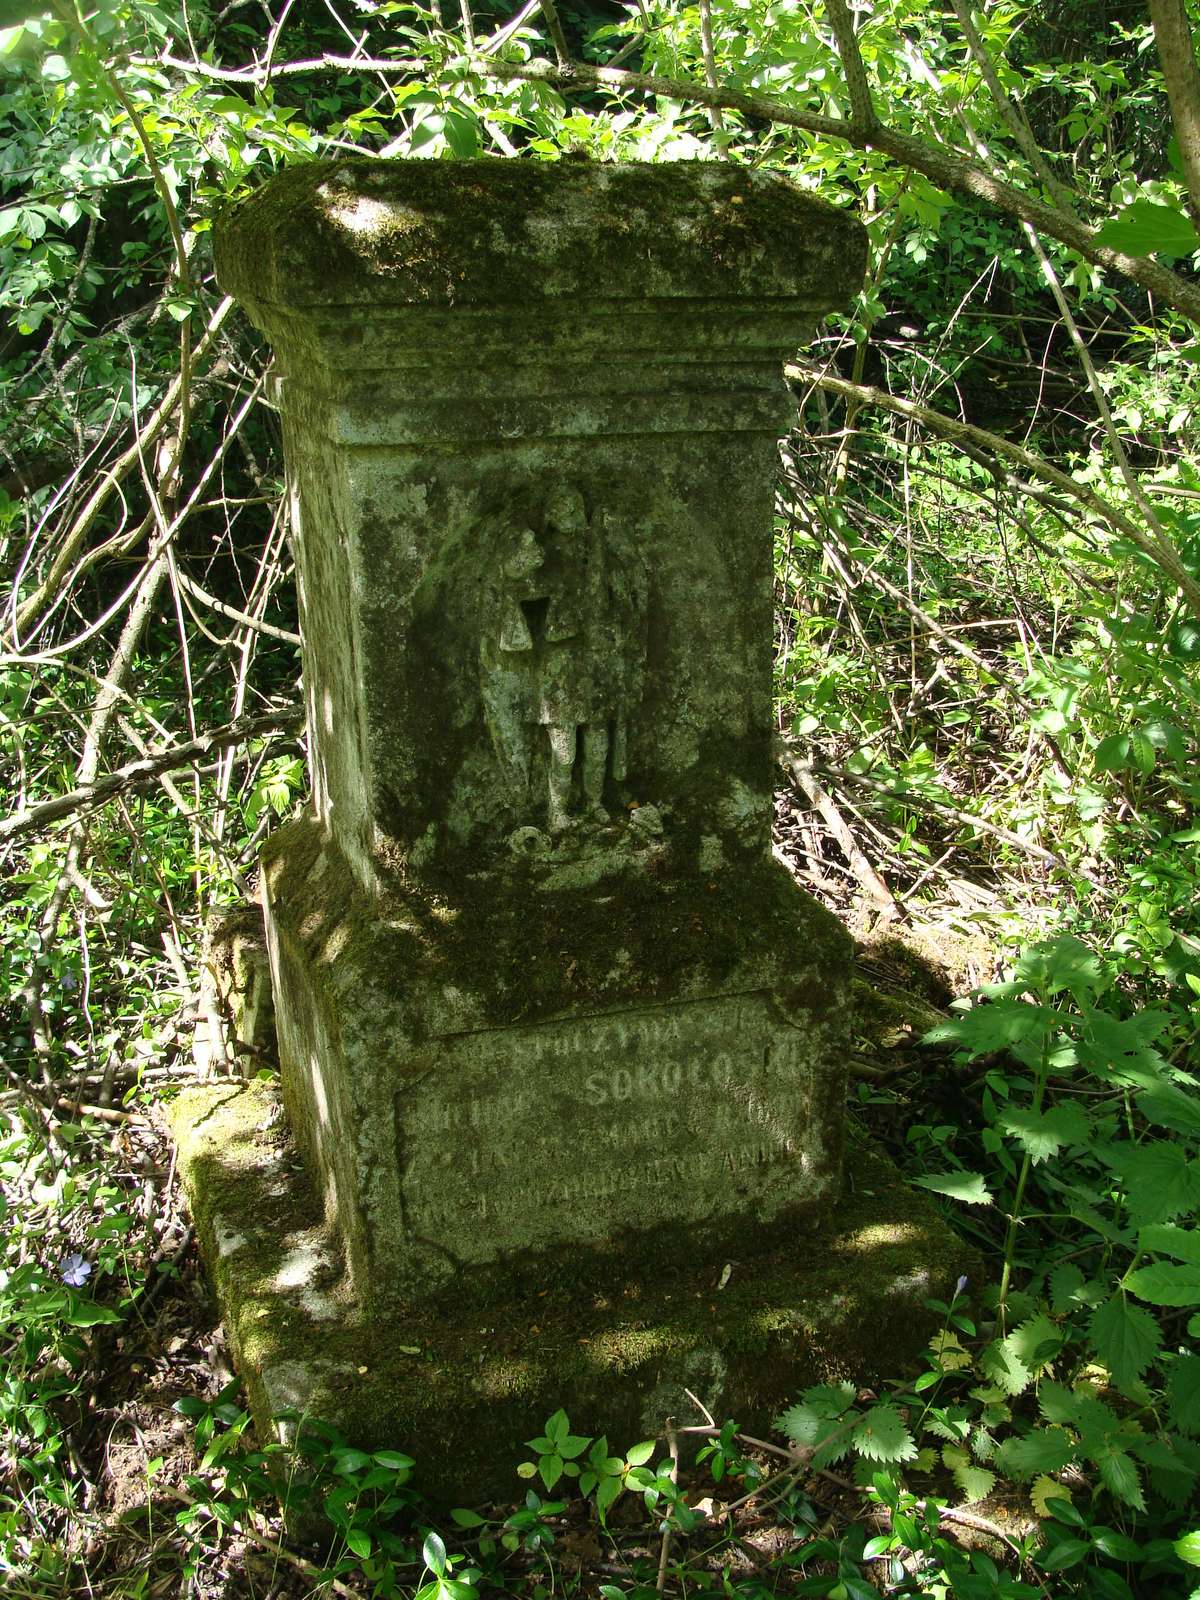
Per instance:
(496,232)
(461,1380)
(488,1077)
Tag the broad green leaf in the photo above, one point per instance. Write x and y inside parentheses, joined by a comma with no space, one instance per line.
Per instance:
(1044,1133)
(467,1519)
(1164,1285)
(1159,1179)
(1166,1240)
(640,1454)
(1183,1394)
(1044,1491)
(1188,1549)
(966,1186)
(1043,1450)
(83,1313)
(1121,1477)
(1148,227)
(358,1540)
(881,1435)
(1065,1281)
(1004,1367)
(1035,1342)
(1066,1553)
(608,1490)
(1126,1338)
(998,1025)
(1112,753)
(551,1469)
(433,1554)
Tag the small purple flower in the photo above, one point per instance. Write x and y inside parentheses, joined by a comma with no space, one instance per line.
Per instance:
(960,1285)
(75,1271)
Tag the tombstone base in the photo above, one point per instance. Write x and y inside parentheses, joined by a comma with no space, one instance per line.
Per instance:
(460,1382)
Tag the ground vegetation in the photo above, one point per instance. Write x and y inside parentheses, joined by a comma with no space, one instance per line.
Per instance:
(988,633)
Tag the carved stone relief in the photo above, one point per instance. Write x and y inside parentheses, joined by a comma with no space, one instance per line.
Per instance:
(562,658)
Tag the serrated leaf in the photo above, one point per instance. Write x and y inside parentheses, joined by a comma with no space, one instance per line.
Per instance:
(1121,1477)
(1065,1281)
(1167,1240)
(1159,1179)
(1003,1366)
(966,1186)
(948,1352)
(1035,1342)
(976,1483)
(1183,1394)
(1044,1133)
(1126,1338)
(881,1435)
(1165,1285)
(1001,1024)
(1041,1451)
(1173,1463)
(1044,1489)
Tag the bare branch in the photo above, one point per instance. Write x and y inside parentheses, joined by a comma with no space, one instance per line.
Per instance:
(145,773)
(862,107)
(1165,557)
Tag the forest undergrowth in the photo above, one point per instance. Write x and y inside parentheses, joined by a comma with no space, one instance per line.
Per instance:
(988,630)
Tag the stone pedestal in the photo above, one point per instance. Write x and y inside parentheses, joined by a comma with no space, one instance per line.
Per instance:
(547,1010)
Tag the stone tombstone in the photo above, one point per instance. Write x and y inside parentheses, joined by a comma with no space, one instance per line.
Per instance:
(544,1000)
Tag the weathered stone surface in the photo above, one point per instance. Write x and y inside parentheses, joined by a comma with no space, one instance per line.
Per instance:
(530,419)
(460,1380)
(540,990)
(643,1067)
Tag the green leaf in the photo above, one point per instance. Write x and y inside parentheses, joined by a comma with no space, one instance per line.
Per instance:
(468,1519)
(433,1554)
(83,1313)
(1183,1394)
(1188,1549)
(1035,1342)
(1000,1362)
(998,1025)
(348,1461)
(1112,753)
(1159,1180)
(1066,1553)
(1065,1281)
(1148,227)
(966,1186)
(881,1435)
(359,1541)
(394,1459)
(1121,1477)
(1044,1133)
(1126,1338)
(551,1469)
(640,1454)
(1165,1285)
(1041,1450)
(607,1491)
(1168,1240)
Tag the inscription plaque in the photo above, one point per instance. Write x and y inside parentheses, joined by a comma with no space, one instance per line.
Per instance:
(605,1124)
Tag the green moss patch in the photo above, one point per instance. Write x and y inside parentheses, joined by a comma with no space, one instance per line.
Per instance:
(460,1381)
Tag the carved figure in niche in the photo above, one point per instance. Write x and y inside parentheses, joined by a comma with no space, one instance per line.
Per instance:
(563,650)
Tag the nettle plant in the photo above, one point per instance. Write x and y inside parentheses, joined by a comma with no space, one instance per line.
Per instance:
(1088,1377)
